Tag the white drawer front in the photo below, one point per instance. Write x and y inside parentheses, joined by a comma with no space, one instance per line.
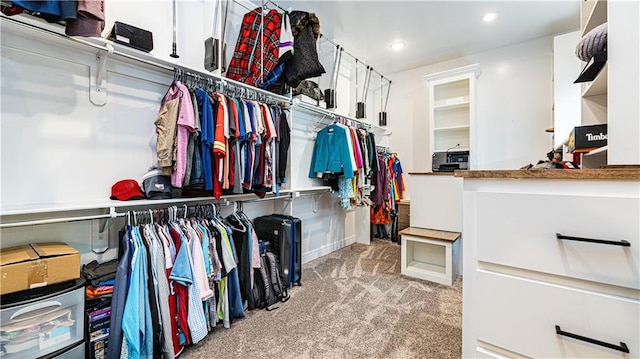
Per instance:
(521,316)
(519,230)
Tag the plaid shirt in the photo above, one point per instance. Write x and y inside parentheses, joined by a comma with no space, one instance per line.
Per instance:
(245,64)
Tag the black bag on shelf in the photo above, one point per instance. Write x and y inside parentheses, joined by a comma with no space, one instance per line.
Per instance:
(132,36)
(593,67)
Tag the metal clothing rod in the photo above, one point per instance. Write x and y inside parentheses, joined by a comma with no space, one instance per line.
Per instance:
(314,194)
(60,220)
(242,4)
(324,112)
(288,196)
(353,56)
(386,102)
(276,5)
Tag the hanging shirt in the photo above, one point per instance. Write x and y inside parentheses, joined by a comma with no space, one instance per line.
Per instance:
(183,273)
(207,137)
(119,296)
(192,137)
(162,289)
(250,145)
(199,270)
(166,126)
(399,182)
(185,123)
(356,148)
(331,152)
(179,286)
(284,135)
(247,64)
(136,320)
(240,133)
(170,256)
(354,165)
(220,144)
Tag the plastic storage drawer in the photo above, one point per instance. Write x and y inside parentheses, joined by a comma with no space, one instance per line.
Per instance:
(38,322)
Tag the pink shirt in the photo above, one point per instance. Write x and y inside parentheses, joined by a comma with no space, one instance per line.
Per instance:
(186,125)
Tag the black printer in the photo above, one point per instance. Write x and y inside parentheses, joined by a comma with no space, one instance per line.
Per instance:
(450,161)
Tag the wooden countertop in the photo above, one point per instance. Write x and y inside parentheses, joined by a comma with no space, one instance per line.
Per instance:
(614,173)
(432,173)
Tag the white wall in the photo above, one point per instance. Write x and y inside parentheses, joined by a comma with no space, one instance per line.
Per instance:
(514,108)
(567,95)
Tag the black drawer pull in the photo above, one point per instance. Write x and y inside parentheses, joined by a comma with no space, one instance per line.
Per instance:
(622,347)
(591,240)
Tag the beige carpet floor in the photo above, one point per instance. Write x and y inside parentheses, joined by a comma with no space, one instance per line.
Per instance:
(353,303)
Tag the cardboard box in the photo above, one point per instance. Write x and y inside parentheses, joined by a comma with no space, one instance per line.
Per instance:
(587,138)
(36,265)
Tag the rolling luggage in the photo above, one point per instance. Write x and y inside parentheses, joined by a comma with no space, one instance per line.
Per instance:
(284,235)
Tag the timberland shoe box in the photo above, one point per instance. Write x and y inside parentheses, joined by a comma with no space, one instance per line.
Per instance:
(587,138)
(36,265)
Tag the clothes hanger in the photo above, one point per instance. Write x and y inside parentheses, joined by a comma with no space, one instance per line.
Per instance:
(242,228)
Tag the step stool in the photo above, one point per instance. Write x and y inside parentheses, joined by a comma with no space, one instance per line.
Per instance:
(430,254)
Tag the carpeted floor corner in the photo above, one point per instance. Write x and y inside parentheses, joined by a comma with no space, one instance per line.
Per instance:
(353,304)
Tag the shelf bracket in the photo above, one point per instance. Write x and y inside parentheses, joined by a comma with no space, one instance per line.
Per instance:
(100,233)
(98,78)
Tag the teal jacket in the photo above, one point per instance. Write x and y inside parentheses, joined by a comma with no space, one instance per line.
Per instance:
(331,153)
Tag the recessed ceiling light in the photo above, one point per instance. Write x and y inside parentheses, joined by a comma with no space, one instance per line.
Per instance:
(490,16)
(397,45)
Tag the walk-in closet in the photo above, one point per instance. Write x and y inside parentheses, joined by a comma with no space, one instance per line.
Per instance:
(319,179)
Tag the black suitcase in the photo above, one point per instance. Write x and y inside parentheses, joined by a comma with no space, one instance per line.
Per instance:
(284,235)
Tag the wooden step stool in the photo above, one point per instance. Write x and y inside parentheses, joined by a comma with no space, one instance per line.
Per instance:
(430,254)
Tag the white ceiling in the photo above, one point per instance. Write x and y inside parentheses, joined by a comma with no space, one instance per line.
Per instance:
(435,31)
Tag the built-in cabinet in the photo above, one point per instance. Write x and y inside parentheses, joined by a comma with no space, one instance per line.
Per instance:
(611,97)
(594,93)
(452,109)
(546,284)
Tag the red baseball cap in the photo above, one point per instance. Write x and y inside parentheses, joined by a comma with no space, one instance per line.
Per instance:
(126,189)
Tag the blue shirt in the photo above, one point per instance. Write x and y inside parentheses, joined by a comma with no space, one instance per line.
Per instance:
(118,300)
(136,318)
(206,140)
(241,129)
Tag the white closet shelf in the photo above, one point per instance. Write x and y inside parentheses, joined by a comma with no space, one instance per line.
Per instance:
(597,16)
(451,150)
(452,128)
(598,86)
(107,204)
(451,103)
(46,32)
(597,151)
(309,189)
